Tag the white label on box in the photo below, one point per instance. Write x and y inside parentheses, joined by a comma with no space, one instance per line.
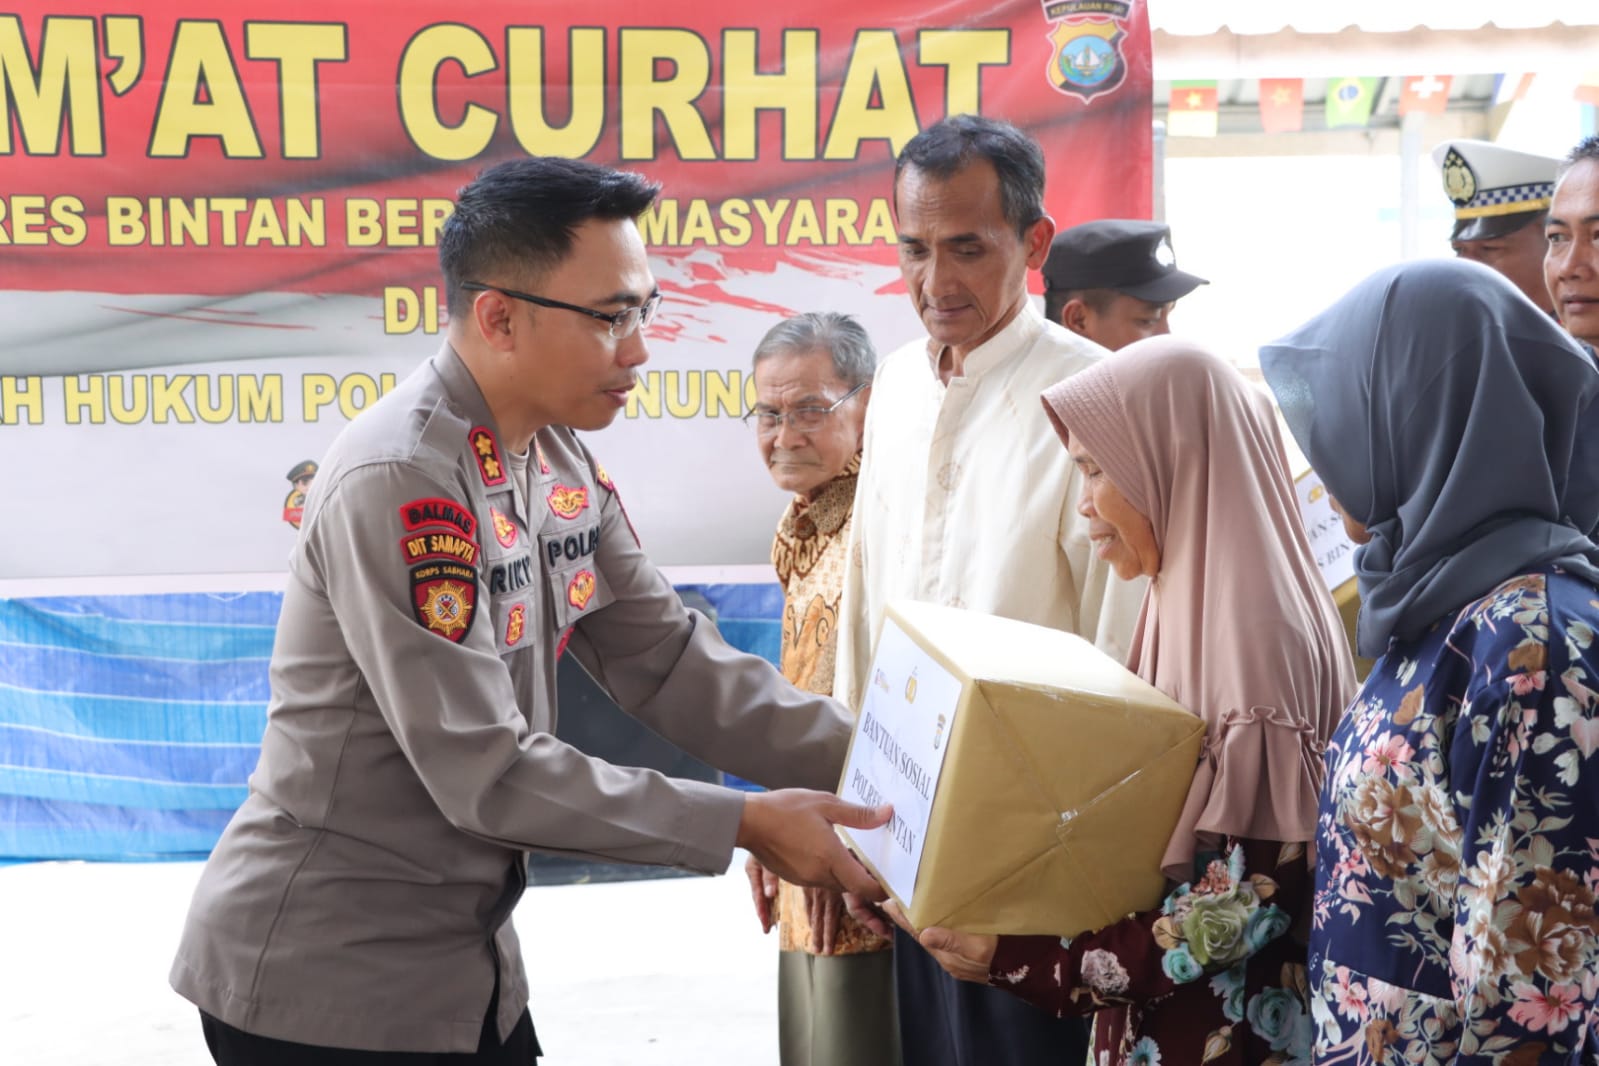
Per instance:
(907,718)
(1334,551)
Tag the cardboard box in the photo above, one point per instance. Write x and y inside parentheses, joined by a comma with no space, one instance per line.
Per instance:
(1035,780)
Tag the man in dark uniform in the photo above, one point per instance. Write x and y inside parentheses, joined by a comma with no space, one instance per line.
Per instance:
(1114,281)
(1501,199)
(357,908)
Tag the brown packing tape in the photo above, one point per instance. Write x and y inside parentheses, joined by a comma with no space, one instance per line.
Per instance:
(1129,864)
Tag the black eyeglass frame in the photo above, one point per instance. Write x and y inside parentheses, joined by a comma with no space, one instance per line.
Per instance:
(772,421)
(642,314)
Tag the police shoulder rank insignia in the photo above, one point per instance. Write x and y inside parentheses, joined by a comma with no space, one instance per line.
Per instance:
(580,589)
(603,478)
(568,502)
(504,528)
(516,624)
(538,450)
(486,450)
(444,598)
(1086,57)
(1460,183)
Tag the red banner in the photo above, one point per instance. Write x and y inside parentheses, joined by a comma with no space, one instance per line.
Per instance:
(181,189)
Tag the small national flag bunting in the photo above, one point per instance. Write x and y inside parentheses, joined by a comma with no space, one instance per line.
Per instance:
(1191,109)
(1425,95)
(1282,104)
(1349,101)
(1588,88)
(1511,88)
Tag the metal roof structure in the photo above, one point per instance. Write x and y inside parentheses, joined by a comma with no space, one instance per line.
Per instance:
(1199,18)
(1230,39)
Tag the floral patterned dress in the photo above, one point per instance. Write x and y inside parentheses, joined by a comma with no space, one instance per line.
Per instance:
(1213,976)
(1458,842)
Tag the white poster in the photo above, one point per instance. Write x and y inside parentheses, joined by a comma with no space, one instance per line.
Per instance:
(906,721)
(1334,551)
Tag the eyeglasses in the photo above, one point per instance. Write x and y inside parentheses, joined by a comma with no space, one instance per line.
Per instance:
(623,323)
(803,419)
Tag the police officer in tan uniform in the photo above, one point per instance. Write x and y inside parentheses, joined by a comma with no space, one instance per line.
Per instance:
(458,539)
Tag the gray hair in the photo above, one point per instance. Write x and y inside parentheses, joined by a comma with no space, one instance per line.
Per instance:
(840,335)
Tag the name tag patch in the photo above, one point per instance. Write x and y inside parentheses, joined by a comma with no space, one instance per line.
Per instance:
(511,575)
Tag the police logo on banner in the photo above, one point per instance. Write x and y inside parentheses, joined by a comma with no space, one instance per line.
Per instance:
(1086,57)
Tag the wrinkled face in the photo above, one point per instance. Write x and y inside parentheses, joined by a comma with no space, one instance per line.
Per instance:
(1124,320)
(1518,256)
(1571,265)
(964,265)
(804,460)
(1122,535)
(562,367)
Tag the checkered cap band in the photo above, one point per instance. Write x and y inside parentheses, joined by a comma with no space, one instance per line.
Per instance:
(1508,200)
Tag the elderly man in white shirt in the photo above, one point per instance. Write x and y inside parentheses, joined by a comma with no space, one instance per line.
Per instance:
(966,497)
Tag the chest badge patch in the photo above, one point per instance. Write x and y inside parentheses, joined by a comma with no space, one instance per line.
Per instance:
(516,624)
(568,502)
(444,599)
(581,589)
(486,450)
(504,528)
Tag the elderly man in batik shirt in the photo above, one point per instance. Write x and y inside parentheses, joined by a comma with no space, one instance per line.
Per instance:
(812,373)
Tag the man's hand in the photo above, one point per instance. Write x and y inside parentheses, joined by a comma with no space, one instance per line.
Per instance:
(965,956)
(763,888)
(790,832)
(825,910)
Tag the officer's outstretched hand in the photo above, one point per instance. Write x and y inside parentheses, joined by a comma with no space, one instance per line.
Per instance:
(791,832)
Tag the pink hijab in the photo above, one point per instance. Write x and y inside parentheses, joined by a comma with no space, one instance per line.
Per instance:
(1238,625)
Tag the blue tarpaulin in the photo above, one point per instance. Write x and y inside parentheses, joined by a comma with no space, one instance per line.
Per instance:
(129,724)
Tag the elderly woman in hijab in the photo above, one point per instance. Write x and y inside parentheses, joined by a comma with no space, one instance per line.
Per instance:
(1458,839)
(1185,481)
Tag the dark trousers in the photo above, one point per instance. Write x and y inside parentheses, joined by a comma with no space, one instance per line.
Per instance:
(235,1047)
(946,1022)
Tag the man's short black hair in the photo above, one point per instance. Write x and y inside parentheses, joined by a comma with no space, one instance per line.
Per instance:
(1098,301)
(949,146)
(1587,149)
(520,216)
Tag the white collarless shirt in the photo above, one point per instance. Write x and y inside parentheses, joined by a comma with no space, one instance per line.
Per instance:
(968,498)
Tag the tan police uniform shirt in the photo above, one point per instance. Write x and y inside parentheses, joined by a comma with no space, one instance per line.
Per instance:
(361,896)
